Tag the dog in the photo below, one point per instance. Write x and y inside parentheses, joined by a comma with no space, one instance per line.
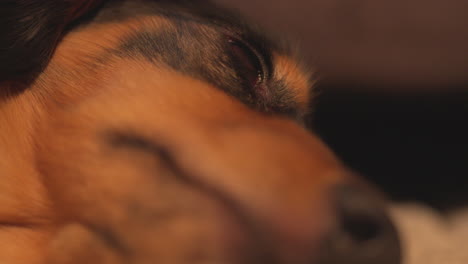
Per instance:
(157,131)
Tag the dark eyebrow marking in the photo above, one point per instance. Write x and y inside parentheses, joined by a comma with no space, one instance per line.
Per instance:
(119,140)
(260,249)
(109,238)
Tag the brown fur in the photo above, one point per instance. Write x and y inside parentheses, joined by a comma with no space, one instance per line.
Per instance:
(117,160)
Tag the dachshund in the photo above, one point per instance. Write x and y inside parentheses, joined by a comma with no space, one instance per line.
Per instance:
(171,132)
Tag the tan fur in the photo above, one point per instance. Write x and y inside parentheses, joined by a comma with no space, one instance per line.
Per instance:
(61,177)
(299,82)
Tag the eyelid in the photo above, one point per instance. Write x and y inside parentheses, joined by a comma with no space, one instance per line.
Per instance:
(262,48)
(263,55)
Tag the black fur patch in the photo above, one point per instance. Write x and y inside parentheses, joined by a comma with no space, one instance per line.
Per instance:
(29,30)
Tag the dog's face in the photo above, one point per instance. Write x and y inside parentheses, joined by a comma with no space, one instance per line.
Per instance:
(170,132)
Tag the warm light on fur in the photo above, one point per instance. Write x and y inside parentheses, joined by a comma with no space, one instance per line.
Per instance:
(109,156)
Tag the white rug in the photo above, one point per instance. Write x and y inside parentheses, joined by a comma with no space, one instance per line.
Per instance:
(431,238)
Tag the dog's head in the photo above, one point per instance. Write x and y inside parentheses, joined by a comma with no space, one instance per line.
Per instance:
(172,132)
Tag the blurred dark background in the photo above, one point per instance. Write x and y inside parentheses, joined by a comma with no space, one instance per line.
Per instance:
(393,84)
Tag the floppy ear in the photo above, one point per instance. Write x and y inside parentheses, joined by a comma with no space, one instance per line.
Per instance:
(29,31)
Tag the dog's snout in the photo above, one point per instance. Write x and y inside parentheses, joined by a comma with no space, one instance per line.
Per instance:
(364,233)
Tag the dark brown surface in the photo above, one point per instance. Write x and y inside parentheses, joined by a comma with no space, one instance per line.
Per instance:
(413,146)
(395,42)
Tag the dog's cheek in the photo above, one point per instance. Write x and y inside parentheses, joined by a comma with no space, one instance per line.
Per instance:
(74,244)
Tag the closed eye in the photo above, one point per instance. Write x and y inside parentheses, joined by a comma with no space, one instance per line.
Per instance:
(247,60)
(250,65)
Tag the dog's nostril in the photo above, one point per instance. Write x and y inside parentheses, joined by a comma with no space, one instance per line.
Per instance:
(360,216)
(361,228)
(364,233)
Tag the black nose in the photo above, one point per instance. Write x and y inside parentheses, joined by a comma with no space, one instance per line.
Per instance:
(364,233)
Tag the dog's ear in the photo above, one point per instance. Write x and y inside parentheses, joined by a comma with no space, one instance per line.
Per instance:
(29,31)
